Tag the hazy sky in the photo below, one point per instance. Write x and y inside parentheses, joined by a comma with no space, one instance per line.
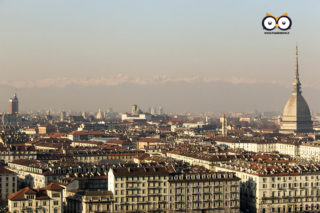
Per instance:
(82,55)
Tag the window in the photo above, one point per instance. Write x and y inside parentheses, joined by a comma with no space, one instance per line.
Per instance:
(55,203)
(56,195)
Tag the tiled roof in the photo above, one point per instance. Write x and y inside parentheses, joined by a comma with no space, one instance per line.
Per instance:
(41,194)
(149,140)
(53,187)
(19,195)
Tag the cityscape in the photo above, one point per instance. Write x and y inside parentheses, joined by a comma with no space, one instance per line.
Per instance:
(191,131)
(151,161)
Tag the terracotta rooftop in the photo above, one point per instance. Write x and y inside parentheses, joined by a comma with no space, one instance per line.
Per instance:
(41,193)
(154,140)
(53,187)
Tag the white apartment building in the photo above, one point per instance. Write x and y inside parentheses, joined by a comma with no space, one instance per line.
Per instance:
(249,146)
(136,117)
(277,189)
(206,163)
(292,149)
(288,149)
(31,173)
(310,151)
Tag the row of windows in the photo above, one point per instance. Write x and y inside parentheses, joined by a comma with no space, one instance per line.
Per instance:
(38,203)
(7,185)
(143,184)
(2,178)
(98,207)
(294,209)
(290,200)
(284,185)
(141,199)
(311,177)
(141,178)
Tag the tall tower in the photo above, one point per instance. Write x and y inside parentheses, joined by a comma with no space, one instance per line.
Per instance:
(13,105)
(63,116)
(296,117)
(135,109)
(99,115)
(224,125)
(160,110)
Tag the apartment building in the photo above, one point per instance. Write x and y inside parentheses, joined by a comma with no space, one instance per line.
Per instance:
(250,146)
(84,135)
(8,183)
(33,173)
(37,174)
(287,148)
(209,192)
(9,156)
(276,185)
(161,188)
(46,199)
(200,158)
(139,189)
(310,151)
(88,201)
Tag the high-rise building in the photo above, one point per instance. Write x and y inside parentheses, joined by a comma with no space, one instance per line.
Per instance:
(135,109)
(84,115)
(14,105)
(223,121)
(99,115)
(152,110)
(63,116)
(296,117)
(160,110)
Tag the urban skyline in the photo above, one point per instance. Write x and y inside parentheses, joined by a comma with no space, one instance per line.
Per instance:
(147,107)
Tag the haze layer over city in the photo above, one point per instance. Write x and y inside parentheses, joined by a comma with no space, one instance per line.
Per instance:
(81,55)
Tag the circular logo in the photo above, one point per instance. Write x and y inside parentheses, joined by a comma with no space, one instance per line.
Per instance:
(284,23)
(269,23)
